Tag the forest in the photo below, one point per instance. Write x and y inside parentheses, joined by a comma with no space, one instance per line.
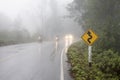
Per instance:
(103,17)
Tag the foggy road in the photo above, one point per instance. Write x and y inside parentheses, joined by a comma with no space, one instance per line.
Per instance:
(32,61)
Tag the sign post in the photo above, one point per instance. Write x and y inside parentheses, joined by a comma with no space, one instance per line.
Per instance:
(89,37)
(90,55)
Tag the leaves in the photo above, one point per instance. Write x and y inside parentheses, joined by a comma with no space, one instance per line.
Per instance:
(103,17)
(105,66)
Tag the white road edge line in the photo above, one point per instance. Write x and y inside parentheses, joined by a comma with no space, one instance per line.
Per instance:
(61,67)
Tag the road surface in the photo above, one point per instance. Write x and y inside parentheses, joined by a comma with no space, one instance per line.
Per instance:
(32,61)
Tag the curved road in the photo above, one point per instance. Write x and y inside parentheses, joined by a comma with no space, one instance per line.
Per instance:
(32,61)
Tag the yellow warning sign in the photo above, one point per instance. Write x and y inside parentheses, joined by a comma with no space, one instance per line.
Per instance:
(89,37)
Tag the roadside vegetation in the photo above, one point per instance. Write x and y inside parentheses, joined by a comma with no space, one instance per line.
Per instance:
(102,16)
(105,64)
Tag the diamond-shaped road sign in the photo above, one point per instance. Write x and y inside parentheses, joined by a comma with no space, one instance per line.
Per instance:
(89,37)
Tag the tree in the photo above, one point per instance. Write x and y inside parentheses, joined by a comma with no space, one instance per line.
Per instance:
(102,16)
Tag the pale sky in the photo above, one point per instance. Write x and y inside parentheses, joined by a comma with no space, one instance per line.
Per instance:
(13,8)
(26,9)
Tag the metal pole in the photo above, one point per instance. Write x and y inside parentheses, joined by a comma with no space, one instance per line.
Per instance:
(90,55)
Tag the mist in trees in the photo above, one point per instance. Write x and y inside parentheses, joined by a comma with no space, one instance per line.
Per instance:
(53,21)
(26,20)
(12,32)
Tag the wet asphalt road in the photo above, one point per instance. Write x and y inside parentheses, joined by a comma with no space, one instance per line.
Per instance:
(32,61)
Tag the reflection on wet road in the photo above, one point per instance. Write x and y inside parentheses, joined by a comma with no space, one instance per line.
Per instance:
(33,61)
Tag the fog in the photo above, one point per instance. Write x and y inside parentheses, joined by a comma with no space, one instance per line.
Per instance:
(42,17)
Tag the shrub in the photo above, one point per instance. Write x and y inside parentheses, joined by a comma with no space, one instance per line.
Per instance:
(105,66)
